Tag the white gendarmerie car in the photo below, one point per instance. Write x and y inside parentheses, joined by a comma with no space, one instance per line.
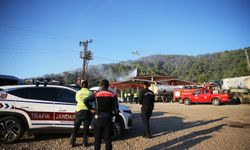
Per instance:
(40,108)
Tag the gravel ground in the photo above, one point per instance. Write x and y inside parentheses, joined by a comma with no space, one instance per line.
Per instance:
(173,125)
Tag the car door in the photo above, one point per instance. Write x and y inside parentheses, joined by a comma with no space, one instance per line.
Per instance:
(196,96)
(203,96)
(65,106)
(37,104)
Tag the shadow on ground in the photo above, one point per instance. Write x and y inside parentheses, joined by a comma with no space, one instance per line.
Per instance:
(161,124)
(187,141)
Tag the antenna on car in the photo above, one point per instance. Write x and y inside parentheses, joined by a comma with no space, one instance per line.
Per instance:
(45,83)
(37,83)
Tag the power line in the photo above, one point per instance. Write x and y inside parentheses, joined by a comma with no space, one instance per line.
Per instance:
(34,35)
(106,59)
(39,32)
(30,50)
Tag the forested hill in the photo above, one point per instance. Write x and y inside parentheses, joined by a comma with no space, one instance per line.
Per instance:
(200,68)
(194,68)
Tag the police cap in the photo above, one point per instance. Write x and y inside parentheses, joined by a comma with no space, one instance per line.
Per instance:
(104,83)
(146,83)
(84,83)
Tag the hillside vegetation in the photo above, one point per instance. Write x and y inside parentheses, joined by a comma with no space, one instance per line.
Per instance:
(200,68)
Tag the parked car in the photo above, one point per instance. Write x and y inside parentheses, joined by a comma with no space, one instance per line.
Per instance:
(40,108)
(205,96)
(240,95)
(178,94)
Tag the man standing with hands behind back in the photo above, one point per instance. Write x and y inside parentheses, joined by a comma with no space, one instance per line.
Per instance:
(146,99)
(106,108)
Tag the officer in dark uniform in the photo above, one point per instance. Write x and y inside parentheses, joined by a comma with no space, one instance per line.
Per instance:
(82,114)
(146,99)
(106,109)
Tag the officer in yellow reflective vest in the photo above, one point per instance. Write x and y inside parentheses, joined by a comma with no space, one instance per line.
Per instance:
(136,97)
(83,114)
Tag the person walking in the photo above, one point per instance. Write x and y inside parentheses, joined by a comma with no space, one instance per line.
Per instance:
(106,108)
(83,114)
(146,99)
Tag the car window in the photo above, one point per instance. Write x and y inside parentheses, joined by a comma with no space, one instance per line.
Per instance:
(64,95)
(39,93)
(22,92)
(197,92)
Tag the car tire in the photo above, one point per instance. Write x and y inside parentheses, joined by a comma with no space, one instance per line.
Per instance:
(11,129)
(117,129)
(242,100)
(216,102)
(187,101)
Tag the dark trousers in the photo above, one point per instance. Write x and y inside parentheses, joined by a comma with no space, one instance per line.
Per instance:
(145,116)
(136,100)
(103,128)
(85,117)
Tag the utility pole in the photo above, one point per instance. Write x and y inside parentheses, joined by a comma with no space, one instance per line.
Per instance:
(86,55)
(248,63)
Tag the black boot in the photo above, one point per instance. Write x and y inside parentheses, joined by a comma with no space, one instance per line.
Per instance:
(72,141)
(148,135)
(85,143)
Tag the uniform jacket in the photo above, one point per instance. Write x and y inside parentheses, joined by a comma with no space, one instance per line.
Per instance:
(105,101)
(147,99)
(80,96)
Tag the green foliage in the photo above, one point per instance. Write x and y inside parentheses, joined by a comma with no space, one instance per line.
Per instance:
(200,69)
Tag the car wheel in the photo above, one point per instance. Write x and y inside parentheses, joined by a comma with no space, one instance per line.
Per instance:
(117,129)
(187,101)
(11,129)
(216,102)
(242,100)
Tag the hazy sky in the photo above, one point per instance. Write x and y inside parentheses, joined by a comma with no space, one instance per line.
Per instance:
(39,37)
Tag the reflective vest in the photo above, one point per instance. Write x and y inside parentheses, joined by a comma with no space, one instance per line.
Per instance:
(80,96)
(135,95)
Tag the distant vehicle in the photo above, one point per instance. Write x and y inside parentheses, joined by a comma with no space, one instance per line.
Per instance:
(240,95)
(74,86)
(9,80)
(37,108)
(237,82)
(164,93)
(205,96)
(178,94)
(94,89)
(238,87)
(214,83)
(136,53)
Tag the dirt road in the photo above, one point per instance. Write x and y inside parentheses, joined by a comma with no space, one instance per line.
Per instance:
(174,126)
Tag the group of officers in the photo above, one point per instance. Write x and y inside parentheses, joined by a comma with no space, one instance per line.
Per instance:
(103,106)
(131,97)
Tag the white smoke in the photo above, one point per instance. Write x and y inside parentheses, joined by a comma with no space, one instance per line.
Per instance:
(129,75)
(107,73)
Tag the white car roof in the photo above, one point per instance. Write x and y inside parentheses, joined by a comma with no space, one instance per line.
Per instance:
(96,88)
(33,85)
